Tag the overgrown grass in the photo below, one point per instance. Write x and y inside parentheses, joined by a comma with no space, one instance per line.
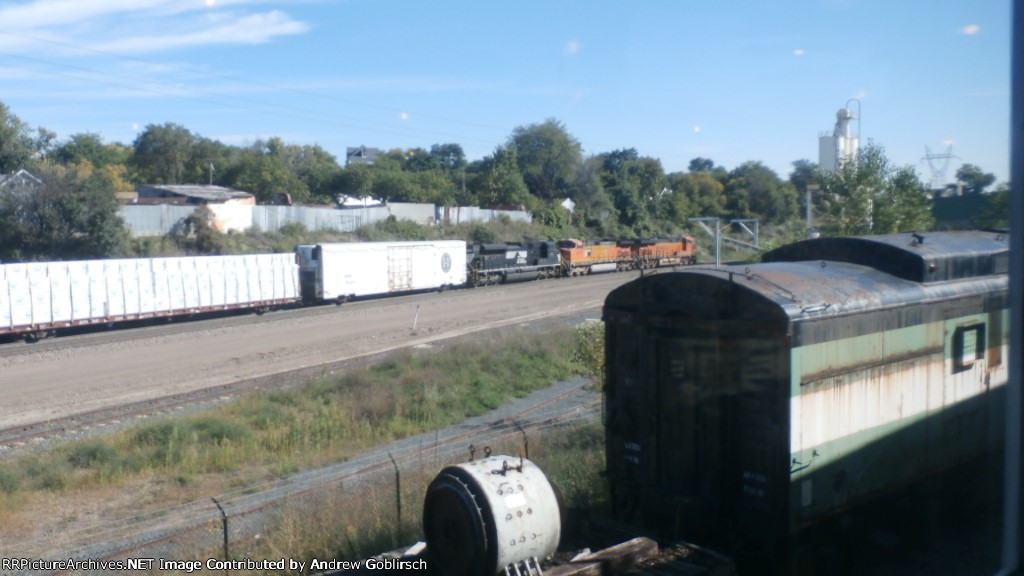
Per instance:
(278,433)
(327,421)
(572,458)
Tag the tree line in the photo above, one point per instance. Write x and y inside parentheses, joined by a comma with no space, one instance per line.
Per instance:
(618,193)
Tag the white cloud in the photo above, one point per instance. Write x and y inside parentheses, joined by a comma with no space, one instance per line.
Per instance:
(798,52)
(572,47)
(970,29)
(141,25)
(696,128)
(249,29)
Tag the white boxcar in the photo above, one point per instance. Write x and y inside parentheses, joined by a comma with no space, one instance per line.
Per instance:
(42,296)
(342,271)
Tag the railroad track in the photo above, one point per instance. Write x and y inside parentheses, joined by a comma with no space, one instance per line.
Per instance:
(143,535)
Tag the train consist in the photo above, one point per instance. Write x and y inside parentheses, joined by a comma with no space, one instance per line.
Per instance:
(745,405)
(499,263)
(38,298)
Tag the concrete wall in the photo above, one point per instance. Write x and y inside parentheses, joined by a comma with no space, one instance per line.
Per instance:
(157,220)
(463,214)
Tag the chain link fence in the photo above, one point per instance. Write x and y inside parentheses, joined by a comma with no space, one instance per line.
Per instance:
(350,510)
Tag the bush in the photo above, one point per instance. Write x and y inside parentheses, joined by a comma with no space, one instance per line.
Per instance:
(9,481)
(589,350)
(91,454)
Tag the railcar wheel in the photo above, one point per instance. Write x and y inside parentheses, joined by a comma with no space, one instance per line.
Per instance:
(37,335)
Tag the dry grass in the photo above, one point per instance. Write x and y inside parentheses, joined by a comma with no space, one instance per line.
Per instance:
(157,465)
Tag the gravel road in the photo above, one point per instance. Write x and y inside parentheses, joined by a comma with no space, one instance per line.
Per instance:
(74,374)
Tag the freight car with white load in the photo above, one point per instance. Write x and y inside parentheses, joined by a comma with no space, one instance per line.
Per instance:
(37,298)
(340,272)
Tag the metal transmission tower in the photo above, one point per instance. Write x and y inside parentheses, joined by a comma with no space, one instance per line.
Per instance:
(938,164)
(716,233)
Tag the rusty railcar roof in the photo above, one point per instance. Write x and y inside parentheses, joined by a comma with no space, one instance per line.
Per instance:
(784,292)
(920,257)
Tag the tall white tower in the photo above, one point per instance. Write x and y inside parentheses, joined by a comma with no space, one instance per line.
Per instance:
(842,145)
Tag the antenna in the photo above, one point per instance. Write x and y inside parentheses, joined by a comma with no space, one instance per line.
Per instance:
(938,164)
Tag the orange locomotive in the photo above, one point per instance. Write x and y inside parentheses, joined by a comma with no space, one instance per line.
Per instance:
(654,253)
(579,258)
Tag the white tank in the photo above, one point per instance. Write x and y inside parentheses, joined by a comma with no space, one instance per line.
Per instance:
(481,516)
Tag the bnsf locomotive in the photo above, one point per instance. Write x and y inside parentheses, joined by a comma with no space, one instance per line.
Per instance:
(747,404)
(581,258)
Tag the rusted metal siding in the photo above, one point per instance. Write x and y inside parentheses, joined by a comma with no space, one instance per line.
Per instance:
(880,410)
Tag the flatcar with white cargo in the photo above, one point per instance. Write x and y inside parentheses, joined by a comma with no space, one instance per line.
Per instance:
(37,298)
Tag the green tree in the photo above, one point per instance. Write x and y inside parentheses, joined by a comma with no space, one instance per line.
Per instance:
(700,164)
(848,194)
(903,204)
(16,144)
(210,162)
(805,174)
(594,206)
(869,196)
(87,152)
(498,180)
(317,169)
(450,157)
(396,186)
(548,157)
(974,179)
(420,160)
(437,188)
(755,191)
(636,186)
(263,170)
(70,214)
(697,194)
(995,212)
(85,146)
(160,153)
(355,181)
(391,161)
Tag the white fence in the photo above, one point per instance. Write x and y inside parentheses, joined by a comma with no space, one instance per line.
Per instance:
(160,219)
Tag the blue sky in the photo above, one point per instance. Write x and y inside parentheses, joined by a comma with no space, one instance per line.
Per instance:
(675,79)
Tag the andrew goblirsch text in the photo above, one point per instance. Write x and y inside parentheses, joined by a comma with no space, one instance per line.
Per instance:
(14,565)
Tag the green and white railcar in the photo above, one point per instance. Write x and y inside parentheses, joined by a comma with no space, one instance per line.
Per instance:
(745,404)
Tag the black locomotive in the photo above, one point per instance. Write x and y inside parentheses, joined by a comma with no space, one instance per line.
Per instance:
(512,262)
